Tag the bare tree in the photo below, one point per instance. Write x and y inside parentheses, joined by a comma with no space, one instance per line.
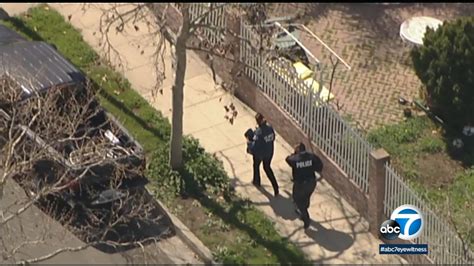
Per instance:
(64,152)
(176,25)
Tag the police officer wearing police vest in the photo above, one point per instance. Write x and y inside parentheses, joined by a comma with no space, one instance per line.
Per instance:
(261,145)
(303,165)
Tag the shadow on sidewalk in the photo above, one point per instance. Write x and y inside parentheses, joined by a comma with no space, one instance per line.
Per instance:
(282,206)
(278,248)
(233,179)
(330,239)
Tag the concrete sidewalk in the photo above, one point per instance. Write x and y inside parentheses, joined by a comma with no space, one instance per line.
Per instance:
(338,234)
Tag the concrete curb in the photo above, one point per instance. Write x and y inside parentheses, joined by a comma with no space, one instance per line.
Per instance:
(188,237)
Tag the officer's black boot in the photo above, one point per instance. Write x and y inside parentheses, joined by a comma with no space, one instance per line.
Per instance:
(305,218)
(298,207)
(298,213)
(307,223)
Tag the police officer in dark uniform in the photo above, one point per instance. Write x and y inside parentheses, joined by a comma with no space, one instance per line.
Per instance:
(261,147)
(303,165)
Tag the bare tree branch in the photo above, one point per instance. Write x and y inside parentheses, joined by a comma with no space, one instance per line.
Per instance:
(214,53)
(52,145)
(176,24)
(465,245)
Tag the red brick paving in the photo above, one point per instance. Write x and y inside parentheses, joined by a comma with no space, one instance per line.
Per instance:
(367,37)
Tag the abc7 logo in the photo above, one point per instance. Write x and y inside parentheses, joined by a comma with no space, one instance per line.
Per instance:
(390,229)
(406,222)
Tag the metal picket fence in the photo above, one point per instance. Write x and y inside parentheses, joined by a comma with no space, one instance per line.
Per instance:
(326,128)
(213,15)
(319,120)
(342,144)
(445,247)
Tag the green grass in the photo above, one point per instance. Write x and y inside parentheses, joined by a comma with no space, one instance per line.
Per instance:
(234,230)
(418,138)
(401,140)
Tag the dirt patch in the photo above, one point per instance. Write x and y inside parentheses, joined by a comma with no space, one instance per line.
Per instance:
(195,217)
(216,230)
(435,176)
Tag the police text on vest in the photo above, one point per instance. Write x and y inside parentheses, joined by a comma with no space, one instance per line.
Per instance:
(304,164)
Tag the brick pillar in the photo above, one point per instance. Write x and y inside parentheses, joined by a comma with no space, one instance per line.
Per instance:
(378,158)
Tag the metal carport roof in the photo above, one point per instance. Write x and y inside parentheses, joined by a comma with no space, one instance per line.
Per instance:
(35,65)
(8,36)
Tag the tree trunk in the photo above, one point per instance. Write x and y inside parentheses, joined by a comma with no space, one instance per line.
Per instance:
(176,146)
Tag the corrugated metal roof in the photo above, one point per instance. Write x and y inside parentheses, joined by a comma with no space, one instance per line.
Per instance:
(8,36)
(36,66)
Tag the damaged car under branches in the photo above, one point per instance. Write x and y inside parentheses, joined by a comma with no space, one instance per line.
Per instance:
(73,158)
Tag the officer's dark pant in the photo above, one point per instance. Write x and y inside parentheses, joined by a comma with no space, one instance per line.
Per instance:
(301,195)
(268,171)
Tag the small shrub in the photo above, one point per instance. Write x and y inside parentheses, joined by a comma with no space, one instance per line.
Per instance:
(202,171)
(445,66)
(204,168)
(164,179)
(192,148)
(208,173)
